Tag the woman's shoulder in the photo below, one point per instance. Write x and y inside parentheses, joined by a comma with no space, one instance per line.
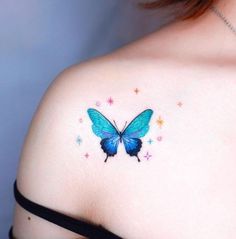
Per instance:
(60,164)
(54,170)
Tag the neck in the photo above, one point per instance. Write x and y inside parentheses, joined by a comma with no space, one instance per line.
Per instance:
(223,35)
(213,35)
(228,9)
(205,39)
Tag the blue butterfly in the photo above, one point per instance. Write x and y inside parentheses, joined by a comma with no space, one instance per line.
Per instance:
(111,136)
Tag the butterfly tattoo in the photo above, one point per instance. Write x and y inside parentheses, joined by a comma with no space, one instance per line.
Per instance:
(111,136)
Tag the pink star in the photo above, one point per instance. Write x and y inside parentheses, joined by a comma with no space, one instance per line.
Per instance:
(180,104)
(159,138)
(110,101)
(98,103)
(147,156)
(136,90)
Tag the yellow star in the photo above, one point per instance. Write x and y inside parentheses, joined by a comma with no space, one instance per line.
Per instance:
(160,121)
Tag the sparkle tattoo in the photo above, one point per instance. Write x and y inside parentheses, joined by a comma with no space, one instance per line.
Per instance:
(86,155)
(79,140)
(136,90)
(150,141)
(147,156)
(98,103)
(160,122)
(110,101)
(159,138)
(180,104)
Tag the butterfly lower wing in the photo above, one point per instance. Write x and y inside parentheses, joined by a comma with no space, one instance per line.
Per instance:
(137,128)
(132,146)
(110,145)
(104,129)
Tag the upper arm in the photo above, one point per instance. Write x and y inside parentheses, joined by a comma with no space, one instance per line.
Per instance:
(52,169)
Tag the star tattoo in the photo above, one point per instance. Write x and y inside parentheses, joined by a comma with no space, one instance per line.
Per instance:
(98,103)
(180,104)
(159,138)
(79,140)
(150,141)
(147,156)
(160,122)
(86,155)
(136,90)
(110,101)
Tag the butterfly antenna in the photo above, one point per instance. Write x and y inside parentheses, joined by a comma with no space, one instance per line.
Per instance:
(116,125)
(138,158)
(124,127)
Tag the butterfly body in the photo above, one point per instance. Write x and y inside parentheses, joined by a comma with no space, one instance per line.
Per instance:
(129,136)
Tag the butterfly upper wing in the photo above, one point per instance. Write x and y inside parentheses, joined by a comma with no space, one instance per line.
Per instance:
(137,128)
(104,129)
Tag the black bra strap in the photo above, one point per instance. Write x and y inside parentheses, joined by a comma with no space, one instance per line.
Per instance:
(80,227)
(10,234)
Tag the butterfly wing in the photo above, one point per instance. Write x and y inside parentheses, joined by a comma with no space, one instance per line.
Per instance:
(104,129)
(110,145)
(137,128)
(132,145)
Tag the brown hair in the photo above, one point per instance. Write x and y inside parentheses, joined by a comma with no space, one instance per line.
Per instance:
(191,8)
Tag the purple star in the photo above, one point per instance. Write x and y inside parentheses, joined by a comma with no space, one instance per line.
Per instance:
(147,156)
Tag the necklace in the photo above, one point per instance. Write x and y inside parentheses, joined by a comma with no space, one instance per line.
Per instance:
(224,19)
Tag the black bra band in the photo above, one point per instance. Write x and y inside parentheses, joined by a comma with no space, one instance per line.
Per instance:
(78,226)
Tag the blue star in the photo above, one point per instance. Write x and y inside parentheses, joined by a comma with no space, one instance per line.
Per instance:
(150,141)
(79,140)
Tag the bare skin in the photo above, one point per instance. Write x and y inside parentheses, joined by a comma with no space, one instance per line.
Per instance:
(186,73)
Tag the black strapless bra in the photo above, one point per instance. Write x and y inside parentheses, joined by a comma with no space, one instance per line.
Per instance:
(80,227)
